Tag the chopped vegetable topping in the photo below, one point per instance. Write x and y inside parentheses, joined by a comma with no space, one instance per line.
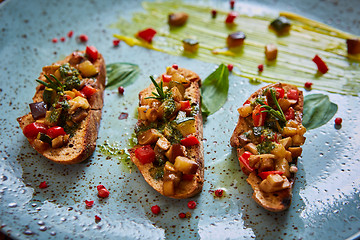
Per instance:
(189,141)
(92,53)
(177,19)
(33,129)
(281,25)
(271,52)
(353,46)
(235,39)
(147,34)
(321,65)
(264,175)
(230,17)
(145,154)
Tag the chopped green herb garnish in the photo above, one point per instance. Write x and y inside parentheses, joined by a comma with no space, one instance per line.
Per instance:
(276,113)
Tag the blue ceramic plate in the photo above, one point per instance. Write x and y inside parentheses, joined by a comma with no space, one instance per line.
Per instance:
(326,203)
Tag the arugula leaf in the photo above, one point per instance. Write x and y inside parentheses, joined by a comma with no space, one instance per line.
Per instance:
(318,110)
(214,90)
(121,74)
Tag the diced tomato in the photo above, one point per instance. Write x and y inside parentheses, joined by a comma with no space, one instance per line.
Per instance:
(78,94)
(187,177)
(246,102)
(231,17)
(258,116)
(290,114)
(280,92)
(244,159)
(54,132)
(264,175)
(293,94)
(185,105)
(32,130)
(145,154)
(147,34)
(88,91)
(321,65)
(92,52)
(189,141)
(166,78)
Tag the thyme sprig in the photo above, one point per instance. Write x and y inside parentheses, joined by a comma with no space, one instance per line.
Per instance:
(279,114)
(54,84)
(160,95)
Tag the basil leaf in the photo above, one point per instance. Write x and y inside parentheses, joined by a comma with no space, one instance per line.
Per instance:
(121,74)
(214,90)
(318,110)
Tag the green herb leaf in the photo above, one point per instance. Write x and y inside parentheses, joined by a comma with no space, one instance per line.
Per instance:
(318,110)
(214,89)
(121,74)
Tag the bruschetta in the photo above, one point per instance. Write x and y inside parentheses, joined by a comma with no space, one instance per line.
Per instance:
(268,139)
(66,110)
(169,131)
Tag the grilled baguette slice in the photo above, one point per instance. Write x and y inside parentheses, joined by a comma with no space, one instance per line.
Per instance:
(280,200)
(190,187)
(83,142)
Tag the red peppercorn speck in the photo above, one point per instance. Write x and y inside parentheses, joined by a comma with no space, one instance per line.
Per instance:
(54,40)
(97,218)
(62,39)
(43,185)
(70,34)
(261,67)
(89,204)
(230,67)
(213,13)
(232,4)
(116,42)
(308,85)
(155,209)
(191,204)
(338,121)
(83,38)
(102,191)
(121,90)
(219,192)
(182,215)
(175,66)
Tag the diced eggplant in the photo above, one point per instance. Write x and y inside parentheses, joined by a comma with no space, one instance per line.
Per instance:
(176,94)
(186,126)
(163,143)
(148,137)
(38,110)
(286,142)
(271,52)
(177,83)
(251,147)
(281,164)
(266,164)
(353,46)
(174,151)
(281,25)
(190,45)
(279,151)
(171,180)
(79,115)
(152,114)
(273,183)
(295,151)
(298,140)
(43,137)
(235,39)
(185,165)
(142,112)
(177,19)
(59,141)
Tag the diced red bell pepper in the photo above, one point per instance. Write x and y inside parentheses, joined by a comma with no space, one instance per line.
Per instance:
(189,141)
(280,92)
(32,130)
(166,78)
(246,102)
(290,114)
(185,105)
(244,159)
(187,177)
(264,175)
(258,116)
(56,131)
(92,53)
(321,65)
(293,94)
(145,154)
(147,34)
(88,91)
(231,17)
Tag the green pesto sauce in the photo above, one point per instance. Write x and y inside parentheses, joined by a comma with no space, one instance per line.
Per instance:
(293,65)
(115,150)
(265,147)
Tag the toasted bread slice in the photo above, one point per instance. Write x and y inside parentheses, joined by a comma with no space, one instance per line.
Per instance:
(244,139)
(191,185)
(82,142)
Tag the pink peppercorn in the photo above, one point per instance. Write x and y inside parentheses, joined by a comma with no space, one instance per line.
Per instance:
(70,34)
(191,204)
(43,185)
(155,209)
(121,90)
(182,215)
(89,204)
(97,218)
(213,13)
(62,39)
(232,4)
(308,85)
(83,38)
(116,42)
(230,67)
(338,121)
(175,66)
(261,67)
(219,192)
(102,191)
(54,40)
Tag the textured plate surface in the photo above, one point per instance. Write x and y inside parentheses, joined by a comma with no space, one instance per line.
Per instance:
(326,202)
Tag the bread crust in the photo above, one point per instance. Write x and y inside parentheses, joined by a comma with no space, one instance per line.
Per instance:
(83,143)
(273,201)
(186,189)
